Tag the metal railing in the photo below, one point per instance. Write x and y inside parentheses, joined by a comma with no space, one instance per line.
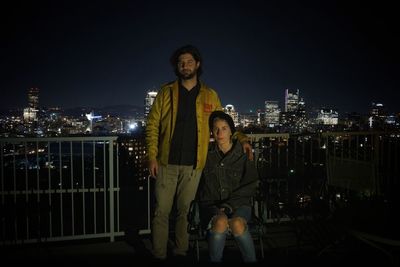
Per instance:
(364,161)
(61,188)
(68,188)
(294,168)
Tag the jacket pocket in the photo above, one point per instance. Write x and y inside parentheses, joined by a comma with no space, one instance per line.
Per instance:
(234,175)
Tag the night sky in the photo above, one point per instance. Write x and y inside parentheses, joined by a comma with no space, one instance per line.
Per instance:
(100,53)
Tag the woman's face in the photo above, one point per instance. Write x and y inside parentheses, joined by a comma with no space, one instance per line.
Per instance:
(221,132)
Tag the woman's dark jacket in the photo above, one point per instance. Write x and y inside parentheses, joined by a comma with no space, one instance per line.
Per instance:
(228,180)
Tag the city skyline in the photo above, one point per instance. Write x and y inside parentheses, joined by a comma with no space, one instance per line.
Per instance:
(145,107)
(338,55)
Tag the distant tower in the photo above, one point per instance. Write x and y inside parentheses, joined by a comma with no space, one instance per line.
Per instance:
(291,100)
(377,115)
(328,116)
(272,113)
(377,110)
(148,101)
(90,116)
(33,98)
(30,113)
(230,109)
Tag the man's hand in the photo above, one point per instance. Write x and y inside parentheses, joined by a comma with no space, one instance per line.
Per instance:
(248,149)
(153,168)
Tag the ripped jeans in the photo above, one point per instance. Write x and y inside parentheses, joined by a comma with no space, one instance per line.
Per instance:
(216,241)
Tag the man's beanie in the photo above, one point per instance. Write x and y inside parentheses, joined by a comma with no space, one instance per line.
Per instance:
(222,116)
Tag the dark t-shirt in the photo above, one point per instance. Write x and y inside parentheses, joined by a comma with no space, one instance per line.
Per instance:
(184,141)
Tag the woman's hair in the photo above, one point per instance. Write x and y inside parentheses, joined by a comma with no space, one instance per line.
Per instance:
(220,115)
(183,50)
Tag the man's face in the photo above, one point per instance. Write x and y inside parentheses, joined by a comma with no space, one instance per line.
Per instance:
(187,66)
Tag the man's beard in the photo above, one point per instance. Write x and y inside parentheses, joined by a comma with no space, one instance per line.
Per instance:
(187,75)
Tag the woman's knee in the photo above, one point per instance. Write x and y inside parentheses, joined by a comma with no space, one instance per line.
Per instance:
(219,224)
(238,225)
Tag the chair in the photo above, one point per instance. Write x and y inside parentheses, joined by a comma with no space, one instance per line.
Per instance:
(198,233)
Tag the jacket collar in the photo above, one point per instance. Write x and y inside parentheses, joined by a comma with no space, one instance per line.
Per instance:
(235,150)
(175,85)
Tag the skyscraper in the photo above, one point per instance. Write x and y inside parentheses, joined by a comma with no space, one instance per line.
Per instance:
(230,109)
(294,119)
(377,115)
(272,113)
(30,113)
(148,101)
(291,100)
(33,98)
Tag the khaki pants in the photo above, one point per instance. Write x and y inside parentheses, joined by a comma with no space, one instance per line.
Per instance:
(172,180)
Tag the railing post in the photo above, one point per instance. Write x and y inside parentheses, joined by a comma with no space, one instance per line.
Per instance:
(375,160)
(111,188)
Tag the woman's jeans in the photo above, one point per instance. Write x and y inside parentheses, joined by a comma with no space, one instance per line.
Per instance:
(216,241)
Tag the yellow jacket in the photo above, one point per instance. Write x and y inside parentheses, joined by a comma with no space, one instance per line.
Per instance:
(162,117)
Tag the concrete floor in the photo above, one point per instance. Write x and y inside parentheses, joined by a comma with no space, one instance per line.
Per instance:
(281,247)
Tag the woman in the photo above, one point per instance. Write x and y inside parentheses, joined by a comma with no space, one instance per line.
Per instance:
(228,183)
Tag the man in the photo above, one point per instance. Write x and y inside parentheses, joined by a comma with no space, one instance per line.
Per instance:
(177,137)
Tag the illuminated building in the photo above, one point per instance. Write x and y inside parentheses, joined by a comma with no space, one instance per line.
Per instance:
(272,113)
(33,98)
(327,117)
(148,101)
(30,113)
(230,109)
(291,100)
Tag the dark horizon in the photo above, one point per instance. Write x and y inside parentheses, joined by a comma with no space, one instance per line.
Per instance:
(339,55)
